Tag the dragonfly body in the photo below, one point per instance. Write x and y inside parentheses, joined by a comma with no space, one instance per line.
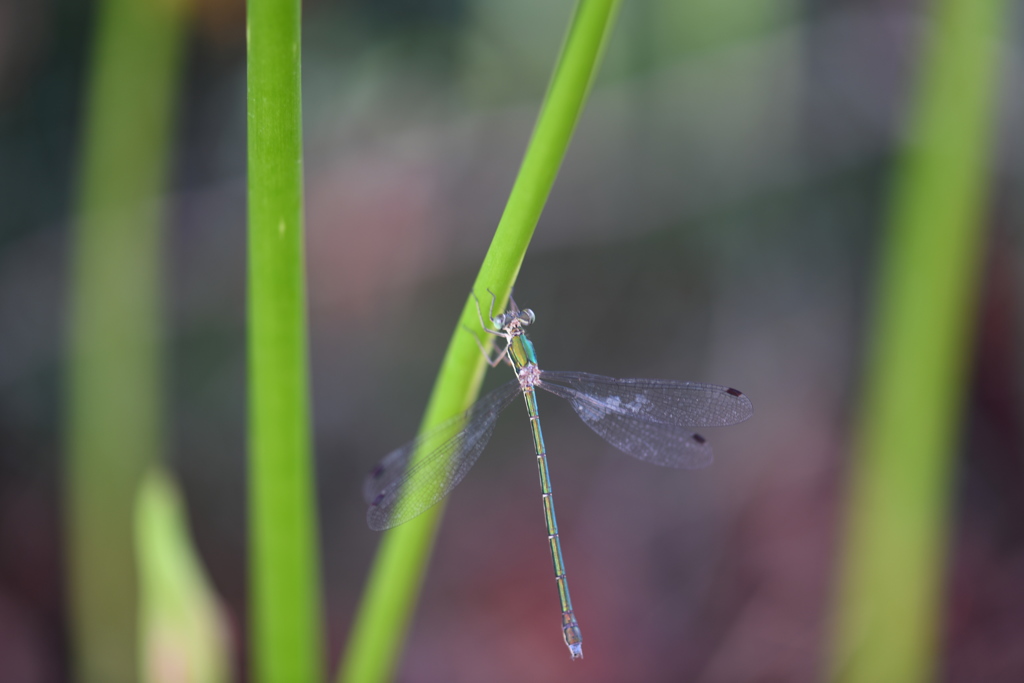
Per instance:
(521,355)
(650,420)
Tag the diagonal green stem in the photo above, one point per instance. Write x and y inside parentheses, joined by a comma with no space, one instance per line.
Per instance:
(390,597)
(889,604)
(284,582)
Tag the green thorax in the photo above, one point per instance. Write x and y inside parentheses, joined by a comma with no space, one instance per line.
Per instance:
(520,350)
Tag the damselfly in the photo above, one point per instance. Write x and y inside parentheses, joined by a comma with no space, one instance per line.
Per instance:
(649,419)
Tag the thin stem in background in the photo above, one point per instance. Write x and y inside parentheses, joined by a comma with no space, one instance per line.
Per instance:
(115,381)
(890,607)
(285,618)
(379,631)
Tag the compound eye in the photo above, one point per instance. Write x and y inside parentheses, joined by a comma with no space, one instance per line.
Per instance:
(527,316)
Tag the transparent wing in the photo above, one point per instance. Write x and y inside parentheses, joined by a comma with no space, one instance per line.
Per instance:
(689,404)
(651,419)
(418,475)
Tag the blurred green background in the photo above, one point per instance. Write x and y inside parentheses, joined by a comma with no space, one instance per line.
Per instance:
(722,216)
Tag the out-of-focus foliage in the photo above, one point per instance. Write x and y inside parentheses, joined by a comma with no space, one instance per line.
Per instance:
(115,396)
(183,637)
(889,614)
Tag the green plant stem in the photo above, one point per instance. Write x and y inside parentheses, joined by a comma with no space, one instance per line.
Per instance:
(115,379)
(889,609)
(284,581)
(395,579)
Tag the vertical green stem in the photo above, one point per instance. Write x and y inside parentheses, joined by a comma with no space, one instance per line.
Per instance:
(890,596)
(284,585)
(115,386)
(392,590)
